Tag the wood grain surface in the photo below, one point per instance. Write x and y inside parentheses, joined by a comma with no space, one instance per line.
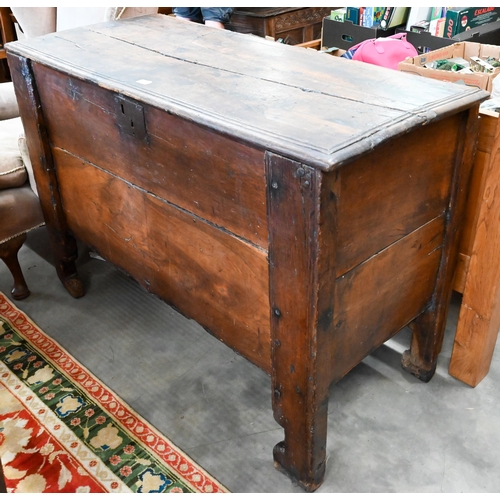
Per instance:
(479,319)
(314,108)
(303,210)
(211,276)
(408,190)
(219,179)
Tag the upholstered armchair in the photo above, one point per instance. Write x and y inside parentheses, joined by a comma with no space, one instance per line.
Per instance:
(20,210)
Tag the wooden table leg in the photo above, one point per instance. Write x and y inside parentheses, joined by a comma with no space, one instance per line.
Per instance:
(428,328)
(63,243)
(301,317)
(479,319)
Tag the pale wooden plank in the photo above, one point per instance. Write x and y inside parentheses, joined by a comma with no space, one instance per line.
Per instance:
(479,319)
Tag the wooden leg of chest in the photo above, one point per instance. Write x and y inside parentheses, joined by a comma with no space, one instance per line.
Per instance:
(428,328)
(421,359)
(63,244)
(299,319)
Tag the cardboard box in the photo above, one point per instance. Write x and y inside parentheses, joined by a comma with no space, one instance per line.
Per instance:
(345,35)
(416,65)
(487,33)
(425,41)
(459,19)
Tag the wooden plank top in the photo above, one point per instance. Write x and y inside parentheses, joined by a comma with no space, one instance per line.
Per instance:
(312,107)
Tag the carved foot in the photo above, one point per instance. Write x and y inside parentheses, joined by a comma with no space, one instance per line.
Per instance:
(68,275)
(410,365)
(282,463)
(20,291)
(74,286)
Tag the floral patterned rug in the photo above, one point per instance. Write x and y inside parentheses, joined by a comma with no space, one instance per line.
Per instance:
(62,430)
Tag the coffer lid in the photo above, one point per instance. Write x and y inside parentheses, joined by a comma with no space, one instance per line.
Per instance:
(312,107)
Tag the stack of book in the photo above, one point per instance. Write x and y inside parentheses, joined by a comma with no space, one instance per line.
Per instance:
(448,22)
(372,17)
(437,21)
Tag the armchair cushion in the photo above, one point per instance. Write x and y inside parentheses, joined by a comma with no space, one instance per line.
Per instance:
(12,170)
(8,101)
(25,155)
(20,212)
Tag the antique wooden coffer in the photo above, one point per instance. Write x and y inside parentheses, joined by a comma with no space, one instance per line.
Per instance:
(301,207)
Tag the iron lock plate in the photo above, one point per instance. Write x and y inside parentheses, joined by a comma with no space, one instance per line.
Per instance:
(130,117)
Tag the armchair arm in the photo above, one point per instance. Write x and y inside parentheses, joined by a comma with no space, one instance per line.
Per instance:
(8,101)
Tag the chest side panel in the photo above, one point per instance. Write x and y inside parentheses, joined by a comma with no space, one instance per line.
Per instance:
(383,294)
(214,177)
(391,192)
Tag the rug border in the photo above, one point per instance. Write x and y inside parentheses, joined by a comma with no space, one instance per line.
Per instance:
(121,419)
(10,382)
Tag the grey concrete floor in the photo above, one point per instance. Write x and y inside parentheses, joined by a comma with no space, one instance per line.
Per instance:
(387,431)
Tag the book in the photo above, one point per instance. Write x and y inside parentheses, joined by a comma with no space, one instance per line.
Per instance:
(436,14)
(338,15)
(386,16)
(377,15)
(440,27)
(372,16)
(352,14)
(460,19)
(368,17)
(361,15)
(394,16)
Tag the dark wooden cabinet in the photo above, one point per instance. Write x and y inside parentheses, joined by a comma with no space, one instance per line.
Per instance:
(302,208)
(8,34)
(293,25)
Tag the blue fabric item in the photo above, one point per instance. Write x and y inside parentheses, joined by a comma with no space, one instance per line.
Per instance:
(201,14)
(349,53)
